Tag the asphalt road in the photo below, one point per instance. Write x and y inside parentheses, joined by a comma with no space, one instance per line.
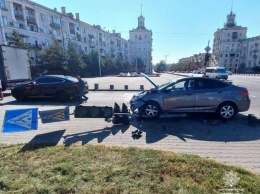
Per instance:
(233,142)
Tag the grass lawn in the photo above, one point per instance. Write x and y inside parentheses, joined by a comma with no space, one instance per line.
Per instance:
(99,169)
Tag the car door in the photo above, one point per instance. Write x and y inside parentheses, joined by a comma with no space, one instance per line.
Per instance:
(180,96)
(51,86)
(209,93)
(36,88)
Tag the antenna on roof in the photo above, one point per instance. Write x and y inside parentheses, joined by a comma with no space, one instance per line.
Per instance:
(231,7)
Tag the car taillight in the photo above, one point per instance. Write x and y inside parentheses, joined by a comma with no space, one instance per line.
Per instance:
(243,92)
(28,87)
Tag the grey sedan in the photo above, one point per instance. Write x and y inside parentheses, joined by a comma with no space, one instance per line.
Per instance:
(189,95)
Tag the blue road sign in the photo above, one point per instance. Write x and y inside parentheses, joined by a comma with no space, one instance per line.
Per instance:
(57,115)
(20,120)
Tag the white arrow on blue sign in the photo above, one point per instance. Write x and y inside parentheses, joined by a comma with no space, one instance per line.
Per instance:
(20,120)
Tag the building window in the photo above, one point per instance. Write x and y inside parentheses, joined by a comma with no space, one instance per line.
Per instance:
(63,24)
(55,33)
(5,20)
(42,17)
(226,55)
(2,4)
(46,43)
(43,30)
(25,39)
(64,35)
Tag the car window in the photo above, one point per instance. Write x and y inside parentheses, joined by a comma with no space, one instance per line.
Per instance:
(210,84)
(48,80)
(221,70)
(181,85)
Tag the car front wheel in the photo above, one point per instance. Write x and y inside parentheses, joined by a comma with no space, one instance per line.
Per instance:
(151,109)
(226,111)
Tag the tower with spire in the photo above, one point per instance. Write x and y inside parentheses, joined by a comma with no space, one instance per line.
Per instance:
(142,44)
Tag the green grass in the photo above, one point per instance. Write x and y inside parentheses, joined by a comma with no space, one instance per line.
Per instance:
(100,169)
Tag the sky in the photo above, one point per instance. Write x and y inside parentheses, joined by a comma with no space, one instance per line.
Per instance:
(181,28)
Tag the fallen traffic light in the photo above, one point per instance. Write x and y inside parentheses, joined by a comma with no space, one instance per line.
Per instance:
(93,112)
(121,116)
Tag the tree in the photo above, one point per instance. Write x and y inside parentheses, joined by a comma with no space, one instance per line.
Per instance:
(54,59)
(75,64)
(91,61)
(160,67)
(16,40)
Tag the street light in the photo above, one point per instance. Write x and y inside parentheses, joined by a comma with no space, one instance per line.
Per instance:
(99,62)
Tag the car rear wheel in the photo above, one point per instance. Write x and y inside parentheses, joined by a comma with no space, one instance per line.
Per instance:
(62,96)
(19,95)
(227,111)
(151,109)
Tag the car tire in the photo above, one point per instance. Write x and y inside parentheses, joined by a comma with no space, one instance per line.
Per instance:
(19,95)
(226,111)
(62,96)
(151,110)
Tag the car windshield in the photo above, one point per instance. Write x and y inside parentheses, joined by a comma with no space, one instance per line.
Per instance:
(161,87)
(221,70)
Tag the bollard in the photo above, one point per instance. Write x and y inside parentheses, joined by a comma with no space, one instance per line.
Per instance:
(141,87)
(111,87)
(126,87)
(96,86)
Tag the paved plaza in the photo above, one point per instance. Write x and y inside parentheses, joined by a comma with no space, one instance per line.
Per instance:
(233,142)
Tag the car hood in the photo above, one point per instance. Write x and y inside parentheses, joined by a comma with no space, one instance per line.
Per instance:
(149,80)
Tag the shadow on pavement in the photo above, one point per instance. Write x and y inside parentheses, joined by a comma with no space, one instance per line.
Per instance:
(43,140)
(99,134)
(198,127)
(42,102)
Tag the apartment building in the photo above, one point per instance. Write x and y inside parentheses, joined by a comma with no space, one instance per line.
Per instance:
(232,49)
(39,26)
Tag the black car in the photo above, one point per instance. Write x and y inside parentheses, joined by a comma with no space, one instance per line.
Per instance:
(62,88)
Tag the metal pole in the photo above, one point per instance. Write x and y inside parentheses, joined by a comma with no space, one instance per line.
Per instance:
(99,65)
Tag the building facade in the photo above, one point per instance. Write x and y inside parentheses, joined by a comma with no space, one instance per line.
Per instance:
(142,43)
(232,49)
(39,26)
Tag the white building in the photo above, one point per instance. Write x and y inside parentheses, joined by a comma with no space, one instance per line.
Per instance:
(40,26)
(232,49)
(142,43)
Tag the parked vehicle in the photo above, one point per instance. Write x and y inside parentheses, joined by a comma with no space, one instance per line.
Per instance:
(60,87)
(189,95)
(216,72)
(14,66)
(229,72)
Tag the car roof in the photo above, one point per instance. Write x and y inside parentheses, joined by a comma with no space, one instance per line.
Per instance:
(71,78)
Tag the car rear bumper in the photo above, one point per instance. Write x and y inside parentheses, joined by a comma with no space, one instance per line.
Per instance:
(244,105)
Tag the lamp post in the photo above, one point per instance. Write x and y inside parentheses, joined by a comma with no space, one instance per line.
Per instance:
(99,57)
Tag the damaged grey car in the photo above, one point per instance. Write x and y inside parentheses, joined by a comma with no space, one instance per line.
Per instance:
(191,95)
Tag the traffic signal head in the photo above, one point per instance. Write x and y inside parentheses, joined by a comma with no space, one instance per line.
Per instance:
(93,112)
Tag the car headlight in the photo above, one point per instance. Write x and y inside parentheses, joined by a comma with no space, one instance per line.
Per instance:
(138,96)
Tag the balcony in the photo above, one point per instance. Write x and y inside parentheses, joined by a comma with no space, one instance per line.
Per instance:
(55,25)
(31,20)
(19,16)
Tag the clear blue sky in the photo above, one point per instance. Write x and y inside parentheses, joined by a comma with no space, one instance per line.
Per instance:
(180,28)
